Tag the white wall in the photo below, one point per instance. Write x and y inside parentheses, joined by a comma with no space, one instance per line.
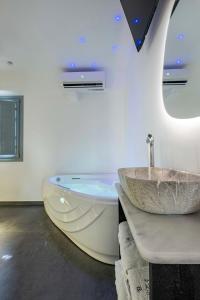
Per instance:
(63,133)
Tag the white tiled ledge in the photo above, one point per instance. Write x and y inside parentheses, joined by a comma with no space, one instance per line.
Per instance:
(163,239)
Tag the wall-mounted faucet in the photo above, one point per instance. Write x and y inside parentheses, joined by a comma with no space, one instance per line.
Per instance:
(150,143)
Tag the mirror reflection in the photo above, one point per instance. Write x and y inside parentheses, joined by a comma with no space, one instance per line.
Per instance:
(181,86)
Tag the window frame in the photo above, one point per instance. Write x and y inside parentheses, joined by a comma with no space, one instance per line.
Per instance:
(20,121)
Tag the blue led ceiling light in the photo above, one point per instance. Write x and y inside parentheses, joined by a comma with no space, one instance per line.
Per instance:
(138,42)
(180,37)
(136,21)
(82,39)
(72,65)
(118,18)
(94,65)
(179,62)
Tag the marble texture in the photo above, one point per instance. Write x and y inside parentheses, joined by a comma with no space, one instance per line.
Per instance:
(163,239)
(161,191)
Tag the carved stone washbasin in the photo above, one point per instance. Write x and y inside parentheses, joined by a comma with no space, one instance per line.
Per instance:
(161,191)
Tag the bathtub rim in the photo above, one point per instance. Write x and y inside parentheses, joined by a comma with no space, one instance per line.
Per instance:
(98,176)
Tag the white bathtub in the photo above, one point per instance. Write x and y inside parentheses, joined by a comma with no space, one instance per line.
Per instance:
(85,208)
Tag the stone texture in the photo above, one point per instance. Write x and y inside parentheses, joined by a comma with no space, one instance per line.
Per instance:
(161,191)
(163,239)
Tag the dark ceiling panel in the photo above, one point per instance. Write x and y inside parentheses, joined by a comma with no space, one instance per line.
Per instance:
(175,5)
(139,14)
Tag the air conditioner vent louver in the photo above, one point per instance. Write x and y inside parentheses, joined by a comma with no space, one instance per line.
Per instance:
(85,81)
(175,82)
(83,85)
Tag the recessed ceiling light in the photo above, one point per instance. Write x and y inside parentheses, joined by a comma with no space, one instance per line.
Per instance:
(82,39)
(136,21)
(72,65)
(118,18)
(180,36)
(94,65)
(138,42)
(179,61)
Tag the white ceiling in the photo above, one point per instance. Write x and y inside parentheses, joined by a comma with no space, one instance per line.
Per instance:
(55,33)
(45,34)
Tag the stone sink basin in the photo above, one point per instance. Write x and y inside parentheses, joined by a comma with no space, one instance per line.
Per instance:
(161,191)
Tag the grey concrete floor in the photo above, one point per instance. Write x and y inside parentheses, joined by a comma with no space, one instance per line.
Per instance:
(38,262)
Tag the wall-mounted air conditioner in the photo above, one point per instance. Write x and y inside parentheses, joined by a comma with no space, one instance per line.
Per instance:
(88,81)
(175,77)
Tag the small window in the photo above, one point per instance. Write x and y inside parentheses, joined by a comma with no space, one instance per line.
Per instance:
(11,128)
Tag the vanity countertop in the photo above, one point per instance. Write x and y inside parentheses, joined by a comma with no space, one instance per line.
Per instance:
(163,239)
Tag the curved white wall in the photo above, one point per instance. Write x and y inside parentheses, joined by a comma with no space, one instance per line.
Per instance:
(176,141)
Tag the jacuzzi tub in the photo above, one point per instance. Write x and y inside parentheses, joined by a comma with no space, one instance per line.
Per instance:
(85,208)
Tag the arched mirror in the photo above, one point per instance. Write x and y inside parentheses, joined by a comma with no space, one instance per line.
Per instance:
(181,84)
